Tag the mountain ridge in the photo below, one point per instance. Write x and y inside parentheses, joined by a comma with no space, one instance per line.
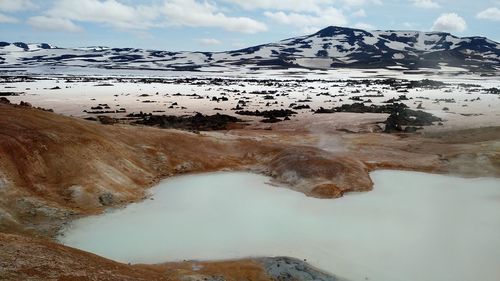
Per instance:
(329,48)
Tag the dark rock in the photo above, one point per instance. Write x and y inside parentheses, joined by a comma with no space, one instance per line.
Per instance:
(271,120)
(290,269)
(44,46)
(269,114)
(21,45)
(426,83)
(106,120)
(106,199)
(402,116)
(410,129)
(360,108)
(198,122)
(102,112)
(9,94)
(493,91)
(302,106)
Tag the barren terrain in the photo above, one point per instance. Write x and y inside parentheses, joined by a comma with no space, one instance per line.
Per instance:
(56,168)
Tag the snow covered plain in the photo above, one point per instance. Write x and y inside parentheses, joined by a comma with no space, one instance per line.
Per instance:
(412,226)
(464,101)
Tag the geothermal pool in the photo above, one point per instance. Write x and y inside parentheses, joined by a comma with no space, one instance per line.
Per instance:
(413,226)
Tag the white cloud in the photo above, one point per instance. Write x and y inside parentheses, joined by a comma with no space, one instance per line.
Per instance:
(203,14)
(123,15)
(280,5)
(490,14)
(352,3)
(53,24)
(359,13)
(365,26)
(449,22)
(425,4)
(7,19)
(209,41)
(299,5)
(16,5)
(109,12)
(309,21)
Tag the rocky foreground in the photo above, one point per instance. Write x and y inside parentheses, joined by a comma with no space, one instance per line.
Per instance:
(54,169)
(37,259)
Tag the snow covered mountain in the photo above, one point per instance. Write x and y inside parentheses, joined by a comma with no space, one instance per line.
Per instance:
(332,47)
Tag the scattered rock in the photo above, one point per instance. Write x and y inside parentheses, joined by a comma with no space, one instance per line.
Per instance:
(402,116)
(106,199)
(106,120)
(184,167)
(288,269)
(26,104)
(276,113)
(198,122)
(272,120)
(9,94)
(360,108)
(302,106)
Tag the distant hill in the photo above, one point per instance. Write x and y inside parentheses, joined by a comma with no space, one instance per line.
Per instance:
(329,48)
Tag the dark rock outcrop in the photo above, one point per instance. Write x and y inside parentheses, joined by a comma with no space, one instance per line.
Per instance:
(275,113)
(285,269)
(410,119)
(360,108)
(198,122)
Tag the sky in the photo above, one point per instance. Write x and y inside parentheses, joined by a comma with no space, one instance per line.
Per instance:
(218,25)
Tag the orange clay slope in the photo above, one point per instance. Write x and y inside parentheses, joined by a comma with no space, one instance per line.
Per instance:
(53,168)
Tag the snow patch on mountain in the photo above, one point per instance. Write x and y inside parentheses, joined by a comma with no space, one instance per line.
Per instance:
(332,47)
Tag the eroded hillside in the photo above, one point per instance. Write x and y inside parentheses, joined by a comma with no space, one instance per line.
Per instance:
(54,169)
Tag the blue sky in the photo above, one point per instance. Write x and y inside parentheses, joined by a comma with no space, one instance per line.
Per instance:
(215,25)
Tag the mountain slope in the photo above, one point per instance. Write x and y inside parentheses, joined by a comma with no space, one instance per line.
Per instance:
(332,47)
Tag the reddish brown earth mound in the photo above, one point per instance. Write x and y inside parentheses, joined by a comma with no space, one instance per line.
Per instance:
(319,173)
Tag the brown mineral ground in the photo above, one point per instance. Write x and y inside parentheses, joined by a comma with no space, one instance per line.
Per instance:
(25,258)
(54,169)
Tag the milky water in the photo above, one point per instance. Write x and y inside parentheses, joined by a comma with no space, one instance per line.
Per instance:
(413,226)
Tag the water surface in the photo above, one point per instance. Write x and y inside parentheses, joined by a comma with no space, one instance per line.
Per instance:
(413,226)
